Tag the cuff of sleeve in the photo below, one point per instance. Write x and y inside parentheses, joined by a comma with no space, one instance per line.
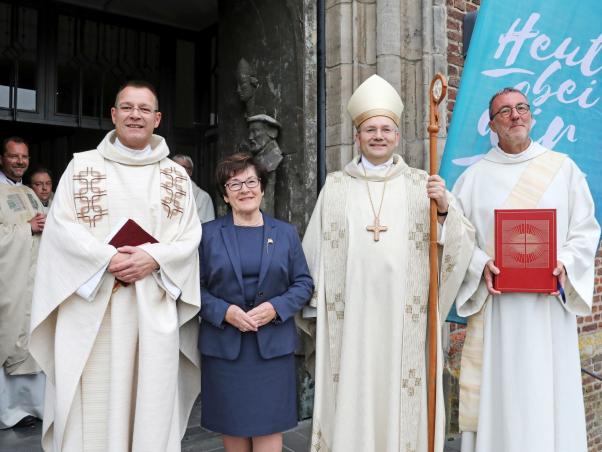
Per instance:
(281,309)
(167,284)
(309,312)
(89,289)
(222,324)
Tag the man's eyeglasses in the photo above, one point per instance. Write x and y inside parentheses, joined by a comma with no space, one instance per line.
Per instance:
(506,110)
(143,109)
(236,185)
(372,131)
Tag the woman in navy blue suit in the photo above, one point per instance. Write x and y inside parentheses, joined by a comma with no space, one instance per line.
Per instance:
(254,278)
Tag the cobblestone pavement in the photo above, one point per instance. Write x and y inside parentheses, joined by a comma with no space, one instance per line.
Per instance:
(197,439)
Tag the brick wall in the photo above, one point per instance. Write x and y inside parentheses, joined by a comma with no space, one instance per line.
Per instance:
(590,343)
(590,327)
(456,9)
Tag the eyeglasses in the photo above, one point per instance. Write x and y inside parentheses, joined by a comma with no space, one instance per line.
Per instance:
(143,109)
(372,131)
(236,185)
(506,110)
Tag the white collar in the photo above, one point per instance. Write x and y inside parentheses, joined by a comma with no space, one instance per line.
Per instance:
(4,179)
(517,155)
(372,167)
(133,152)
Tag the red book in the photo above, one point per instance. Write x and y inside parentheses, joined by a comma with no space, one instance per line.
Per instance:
(131,234)
(525,250)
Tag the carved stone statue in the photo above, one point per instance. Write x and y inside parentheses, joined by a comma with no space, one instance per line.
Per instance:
(246,86)
(263,132)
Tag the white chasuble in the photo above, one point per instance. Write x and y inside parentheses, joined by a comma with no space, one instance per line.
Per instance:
(122,365)
(371,300)
(530,396)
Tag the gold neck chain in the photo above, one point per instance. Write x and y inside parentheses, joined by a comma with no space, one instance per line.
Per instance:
(377,228)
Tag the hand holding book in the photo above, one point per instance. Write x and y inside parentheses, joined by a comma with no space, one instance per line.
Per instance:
(131,263)
(525,251)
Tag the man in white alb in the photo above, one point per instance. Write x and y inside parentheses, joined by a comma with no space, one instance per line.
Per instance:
(115,330)
(367,249)
(21,226)
(520,381)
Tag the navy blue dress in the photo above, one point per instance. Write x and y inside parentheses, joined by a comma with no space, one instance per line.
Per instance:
(248,396)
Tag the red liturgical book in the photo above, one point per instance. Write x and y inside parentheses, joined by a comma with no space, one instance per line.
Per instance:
(131,234)
(525,250)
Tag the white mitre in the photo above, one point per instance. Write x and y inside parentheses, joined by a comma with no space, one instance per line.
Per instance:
(375,97)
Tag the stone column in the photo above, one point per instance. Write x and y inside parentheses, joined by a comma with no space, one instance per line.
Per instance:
(404,41)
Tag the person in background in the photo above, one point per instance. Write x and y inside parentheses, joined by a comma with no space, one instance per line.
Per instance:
(40,182)
(21,224)
(203,201)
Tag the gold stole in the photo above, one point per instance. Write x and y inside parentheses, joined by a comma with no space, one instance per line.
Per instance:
(20,203)
(526,194)
(334,249)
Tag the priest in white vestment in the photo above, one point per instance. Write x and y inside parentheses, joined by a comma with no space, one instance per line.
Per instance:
(367,249)
(21,224)
(115,330)
(520,382)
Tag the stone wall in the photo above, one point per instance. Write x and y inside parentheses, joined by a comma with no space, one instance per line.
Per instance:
(590,327)
(590,343)
(275,37)
(403,41)
(456,9)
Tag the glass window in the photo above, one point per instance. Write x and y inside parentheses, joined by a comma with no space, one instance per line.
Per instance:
(6,69)
(27,47)
(91,70)
(185,74)
(126,54)
(6,65)
(111,84)
(67,69)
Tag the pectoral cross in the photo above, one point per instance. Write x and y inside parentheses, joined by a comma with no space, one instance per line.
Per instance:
(376,229)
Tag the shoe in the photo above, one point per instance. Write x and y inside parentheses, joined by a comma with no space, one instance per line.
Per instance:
(27,421)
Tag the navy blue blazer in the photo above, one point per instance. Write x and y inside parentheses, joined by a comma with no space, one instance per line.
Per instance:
(284,281)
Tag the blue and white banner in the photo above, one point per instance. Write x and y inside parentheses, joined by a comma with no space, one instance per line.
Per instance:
(551,50)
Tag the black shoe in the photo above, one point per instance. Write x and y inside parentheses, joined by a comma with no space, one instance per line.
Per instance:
(27,421)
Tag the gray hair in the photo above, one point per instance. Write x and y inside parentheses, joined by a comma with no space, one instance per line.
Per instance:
(184,157)
(501,92)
